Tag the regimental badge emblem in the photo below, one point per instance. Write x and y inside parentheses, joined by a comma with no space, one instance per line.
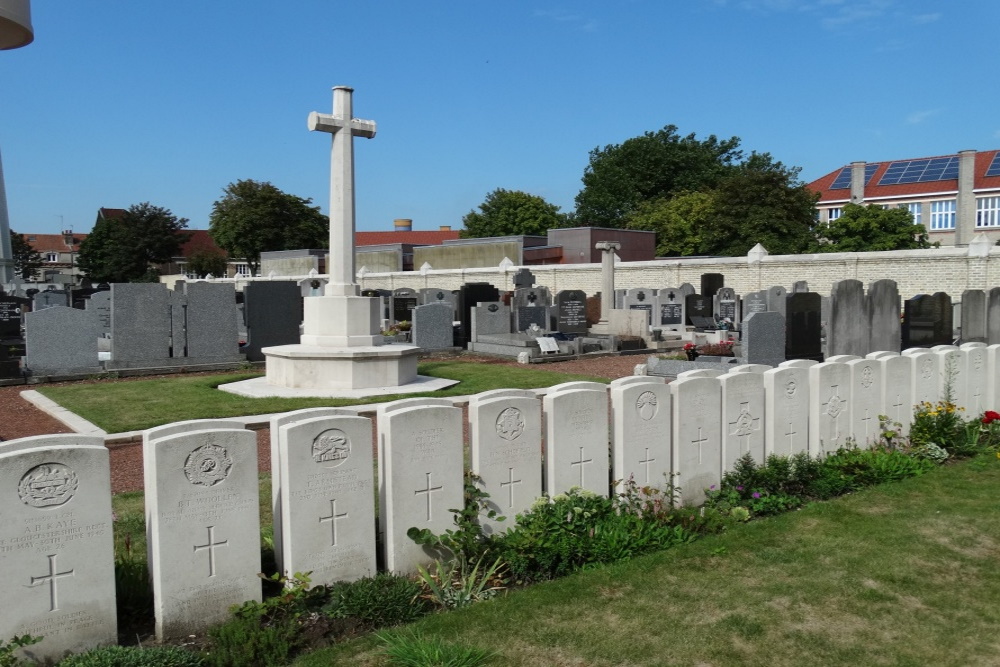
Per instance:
(510,424)
(790,388)
(331,446)
(835,405)
(48,485)
(867,377)
(208,465)
(977,361)
(927,369)
(646,405)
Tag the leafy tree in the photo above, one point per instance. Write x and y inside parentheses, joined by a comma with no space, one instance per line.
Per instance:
(126,248)
(206,262)
(255,217)
(27,260)
(656,165)
(677,222)
(760,201)
(512,213)
(870,228)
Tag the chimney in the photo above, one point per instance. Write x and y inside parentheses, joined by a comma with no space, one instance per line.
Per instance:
(68,237)
(403,224)
(444,228)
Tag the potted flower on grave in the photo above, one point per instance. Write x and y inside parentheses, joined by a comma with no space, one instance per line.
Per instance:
(691,350)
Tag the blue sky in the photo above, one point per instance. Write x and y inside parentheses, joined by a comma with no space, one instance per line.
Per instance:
(117,102)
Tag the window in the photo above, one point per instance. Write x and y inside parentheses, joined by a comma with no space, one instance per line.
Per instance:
(51,257)
(833,213)
(988,212)
(916,210)
(943,214)
(243,270)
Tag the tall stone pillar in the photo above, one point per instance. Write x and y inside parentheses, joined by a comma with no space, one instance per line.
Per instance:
(965,204)
(608,249)
(857,182)
(6,253)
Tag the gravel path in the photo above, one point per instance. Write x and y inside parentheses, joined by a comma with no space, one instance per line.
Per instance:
(20,419)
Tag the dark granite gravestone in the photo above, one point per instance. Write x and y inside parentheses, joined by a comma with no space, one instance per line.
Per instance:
(776,299)
(711,283)
(523,278)
(432,326)
(697,306)
(530,305)
(973,316)
(670,309)
(9,367)
(273,313)
(470,295)
(754,302)
(993,316)
(571,311)
(847,328)
(61,341)
(11,310)
(804,326)
(763,339)
(726,305)
(883,316)
(927,320)
(404,300)
(100,303)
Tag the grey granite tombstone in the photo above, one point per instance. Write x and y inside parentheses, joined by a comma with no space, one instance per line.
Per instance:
(754,302)
(50,298)
(404,300)
(776,299)
(847,330)
(927,321)
(993,317)
(530,306)
(686,289)
(883,316)
(489,319)
(800,286)
(140,325)
(669,309)
(711,283)
(433,326)
(212,335)
(763,339)
(803,338)
(973,316)
(60,341)
(100,304)
(571,311)
(273,312)
(642,299)
(436,295)
(177,306)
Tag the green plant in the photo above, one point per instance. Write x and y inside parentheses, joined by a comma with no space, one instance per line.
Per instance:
(133,593)
(416,650)
(9,647)
(866,467)
(379,601)
(457,582)
(134,656)
(467,539)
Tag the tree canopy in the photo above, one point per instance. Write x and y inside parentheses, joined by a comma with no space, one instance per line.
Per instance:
(870,228)
(126,248)
(254,217)
(203,263)
(512,213)
(27,260)
(656,165)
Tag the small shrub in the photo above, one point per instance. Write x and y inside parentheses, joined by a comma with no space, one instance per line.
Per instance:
(458,583)
(245,642)
(867,467)
(9,647)
(379,601)
(937,423)
(134,656)
(415,650)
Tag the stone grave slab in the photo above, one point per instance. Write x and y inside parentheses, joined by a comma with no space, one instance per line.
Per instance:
(926,375)
(488,319)
(927,320)
(754,302)
(212,335)
(642,425)
(883,316)
(763,339)
(433,327)
(273,314)
(50,298)
(742,417)
(829,407)
(976,381)
(576,440)
(100,304)
(505,431)
(697,436)
(847,328)
(803,337)
(641,299)
(328,498)
(12,309)
(897,389)
(420,478)
(953,376)
(711,283)
(204,527)
(571,311)
(140,325)
(786,410)
(469,296)
(670,309)
(57,545)
(530,306)
(866,401)
(726,305)
(697,307)
(974,317)
(404,300)
(61,341)
(777,300)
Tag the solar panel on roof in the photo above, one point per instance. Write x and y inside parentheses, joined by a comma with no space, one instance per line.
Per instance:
(843,180)
(994,168)
(921,171)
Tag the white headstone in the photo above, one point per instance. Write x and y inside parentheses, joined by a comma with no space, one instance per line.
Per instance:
(829,407)
(420,477)
(327,498)
(56,544)
(841,358)
(897,390)
(641,430)
(993,377)
(977,380)
(697,436)
(742,417)
(700,373)
(204,527)
(786,411)
(952,364)
(750,368)
(926,375)
(576,440)
(565,386)
(866,401)
(506,446)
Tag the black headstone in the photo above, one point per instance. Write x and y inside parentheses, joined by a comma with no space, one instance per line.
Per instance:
(698,306)
(402,308)
(523,278)
(11,309)
(272,311)
(469,296)
(711,283)
(571,311)
(803,328)
(927,320)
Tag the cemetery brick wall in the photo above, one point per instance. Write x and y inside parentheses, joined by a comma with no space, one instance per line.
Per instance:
(949,270)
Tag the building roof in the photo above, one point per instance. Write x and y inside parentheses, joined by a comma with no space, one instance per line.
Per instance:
(199,240)
(44,243)
(985,162)
(411,238)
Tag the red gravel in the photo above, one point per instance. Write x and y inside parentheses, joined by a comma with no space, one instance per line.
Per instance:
(20,419)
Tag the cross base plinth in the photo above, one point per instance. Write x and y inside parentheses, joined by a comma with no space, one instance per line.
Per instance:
(324,368)
(340,321)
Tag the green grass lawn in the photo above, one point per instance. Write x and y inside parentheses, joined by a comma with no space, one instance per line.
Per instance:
(140,404)
(900,574)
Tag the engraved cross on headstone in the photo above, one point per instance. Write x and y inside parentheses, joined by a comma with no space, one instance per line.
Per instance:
(744,426)
(699,441)
(510,484)
(212,544)
(645,464)
(333,519)
(867,420)
(791,437)
(582,462)
(344,128)
(898,411)
(428,491)
(52,579)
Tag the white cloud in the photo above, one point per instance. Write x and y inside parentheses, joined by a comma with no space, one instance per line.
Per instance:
(918,117)
(574,20)
(923,19)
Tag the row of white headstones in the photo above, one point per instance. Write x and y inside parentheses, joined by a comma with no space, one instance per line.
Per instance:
(201,477)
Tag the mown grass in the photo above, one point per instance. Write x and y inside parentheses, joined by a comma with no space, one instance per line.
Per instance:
(900,574)
(118,406)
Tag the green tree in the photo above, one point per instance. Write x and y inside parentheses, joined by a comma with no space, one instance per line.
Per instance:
(27,260)
(760,201)
(255,217)
(870,228)
(512,213)
(676,221)
(206,262)
(127,248)
(655,165)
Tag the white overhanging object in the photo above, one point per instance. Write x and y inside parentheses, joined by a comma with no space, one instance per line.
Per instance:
(15,24)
